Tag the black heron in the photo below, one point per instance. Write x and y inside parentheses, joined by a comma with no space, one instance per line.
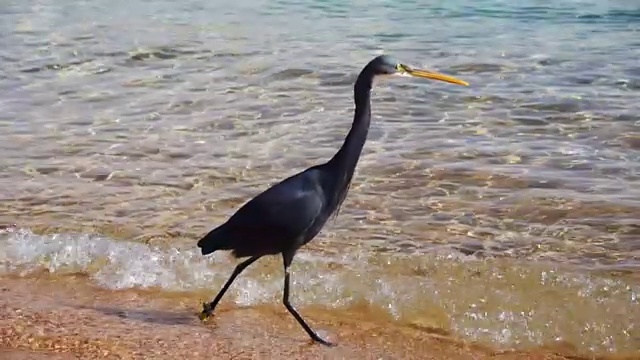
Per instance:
(291,213)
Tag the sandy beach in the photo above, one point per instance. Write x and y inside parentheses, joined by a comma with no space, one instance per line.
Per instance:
(69,318)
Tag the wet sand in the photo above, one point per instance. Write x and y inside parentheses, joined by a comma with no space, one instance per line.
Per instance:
(64,318)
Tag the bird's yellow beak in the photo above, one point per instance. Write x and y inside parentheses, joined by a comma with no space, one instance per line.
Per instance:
(425,74)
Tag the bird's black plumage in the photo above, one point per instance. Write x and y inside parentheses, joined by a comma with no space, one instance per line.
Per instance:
(284,216)
(292,212)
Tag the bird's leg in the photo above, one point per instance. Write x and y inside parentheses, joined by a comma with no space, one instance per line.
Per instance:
(287,257)
(207,308)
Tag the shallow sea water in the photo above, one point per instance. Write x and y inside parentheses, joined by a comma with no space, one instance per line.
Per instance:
(505,212)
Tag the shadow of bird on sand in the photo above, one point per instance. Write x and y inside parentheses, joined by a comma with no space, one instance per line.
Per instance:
(147,315)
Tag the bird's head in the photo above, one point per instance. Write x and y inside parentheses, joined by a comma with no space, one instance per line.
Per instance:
(384,65)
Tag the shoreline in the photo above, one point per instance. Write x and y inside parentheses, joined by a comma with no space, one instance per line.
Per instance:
(67,317)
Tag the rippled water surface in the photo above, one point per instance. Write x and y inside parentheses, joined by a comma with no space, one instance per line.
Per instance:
(505,212)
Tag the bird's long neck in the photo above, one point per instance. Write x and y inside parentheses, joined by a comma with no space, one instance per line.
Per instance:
(345,160)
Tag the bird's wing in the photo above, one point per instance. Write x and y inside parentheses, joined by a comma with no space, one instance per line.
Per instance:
(287,209)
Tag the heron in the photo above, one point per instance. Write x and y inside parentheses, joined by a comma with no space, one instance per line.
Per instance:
(292,212)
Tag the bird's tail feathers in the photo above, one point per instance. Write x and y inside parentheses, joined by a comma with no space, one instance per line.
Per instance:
(216,239)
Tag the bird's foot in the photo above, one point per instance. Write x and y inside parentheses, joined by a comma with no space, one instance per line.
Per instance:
(326,343)
(322,341)
(206,312)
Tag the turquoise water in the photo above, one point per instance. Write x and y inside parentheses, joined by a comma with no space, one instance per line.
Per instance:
(148,122)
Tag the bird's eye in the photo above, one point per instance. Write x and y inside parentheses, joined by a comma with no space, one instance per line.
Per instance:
(401,68)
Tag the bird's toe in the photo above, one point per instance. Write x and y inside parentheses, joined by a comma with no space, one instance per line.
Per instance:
(322,341)
(205,313)
(327,343)
(203,316)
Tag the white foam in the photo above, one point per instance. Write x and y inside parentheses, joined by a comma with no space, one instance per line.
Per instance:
(113,264)
(116,264)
